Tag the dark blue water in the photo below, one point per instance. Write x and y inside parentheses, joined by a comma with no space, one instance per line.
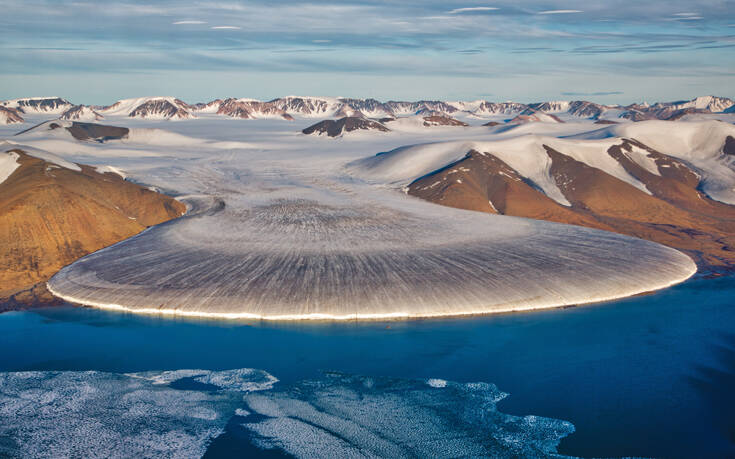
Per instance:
(647,376)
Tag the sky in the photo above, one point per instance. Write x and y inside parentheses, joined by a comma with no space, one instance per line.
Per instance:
(607,51)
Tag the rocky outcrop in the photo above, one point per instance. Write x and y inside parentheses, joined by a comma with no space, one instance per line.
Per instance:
(38,105)
(336,128)
(162,108)
(251,109)
(52,215)
(441,120)
(10,116)
(81,113)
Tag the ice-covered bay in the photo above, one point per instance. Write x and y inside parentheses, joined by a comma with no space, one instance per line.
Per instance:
(280,229)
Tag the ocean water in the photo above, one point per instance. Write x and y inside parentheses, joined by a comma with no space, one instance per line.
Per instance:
(652,375)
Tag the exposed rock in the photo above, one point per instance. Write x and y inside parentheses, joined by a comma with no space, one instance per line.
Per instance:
(249,109)
(335,128)
(676,213)
(45,105)
(440,120)
(53,215)
(161,108)
(10,116)
(81,113)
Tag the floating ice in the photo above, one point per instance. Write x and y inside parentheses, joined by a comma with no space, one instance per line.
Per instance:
(162,414)
(95,414)
(349,416)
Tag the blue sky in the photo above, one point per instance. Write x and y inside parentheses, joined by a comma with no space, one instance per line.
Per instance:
(607,51)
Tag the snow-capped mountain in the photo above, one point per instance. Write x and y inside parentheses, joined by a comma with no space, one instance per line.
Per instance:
(288,108)
(164,108)
(10,116)
(38,105)
(531,115)
(710,103)
(250,109)
(81,113)
(336,128)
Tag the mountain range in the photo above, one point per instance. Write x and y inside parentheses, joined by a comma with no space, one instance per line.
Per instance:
(287,108)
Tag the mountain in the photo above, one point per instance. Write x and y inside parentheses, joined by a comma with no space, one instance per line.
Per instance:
(38,105)
(337,128)
(162,108)
(288,108)
(442,120)
(250,109)
(79,130)
(81,113)
(670,183)
(531,115)
(10,116)
(54,212)
(711,104)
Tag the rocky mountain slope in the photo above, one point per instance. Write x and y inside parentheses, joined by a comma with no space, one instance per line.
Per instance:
(54,212)
(10,116)
(674,188)
(336,128)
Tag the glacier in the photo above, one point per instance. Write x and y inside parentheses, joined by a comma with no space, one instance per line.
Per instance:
(281,227)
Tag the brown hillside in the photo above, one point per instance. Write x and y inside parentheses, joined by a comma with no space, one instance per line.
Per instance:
(51,216)
(675,213)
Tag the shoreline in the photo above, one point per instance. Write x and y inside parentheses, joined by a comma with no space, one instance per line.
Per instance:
(317,317)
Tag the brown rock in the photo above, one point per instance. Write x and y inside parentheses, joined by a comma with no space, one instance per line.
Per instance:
(51,216)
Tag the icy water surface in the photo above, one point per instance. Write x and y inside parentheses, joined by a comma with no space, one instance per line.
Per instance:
(647,376)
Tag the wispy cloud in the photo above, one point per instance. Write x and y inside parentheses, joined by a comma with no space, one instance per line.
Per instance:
(419,40)
(560,12)
(473,9)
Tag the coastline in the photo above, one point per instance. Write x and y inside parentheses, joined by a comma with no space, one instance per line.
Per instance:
(365,317)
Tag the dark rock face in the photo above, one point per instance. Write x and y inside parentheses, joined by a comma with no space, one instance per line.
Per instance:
(97,132)
(729,147)
(10,116)
(78,112)
(335,128)
(43,105)
(439,120)
(161,108)
(246,109)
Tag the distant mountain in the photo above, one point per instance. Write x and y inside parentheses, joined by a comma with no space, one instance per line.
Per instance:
(10,116)
(164,108)
(250,109)
(81,113)
(336,128)
(288,108)
(38,105)
(531,115)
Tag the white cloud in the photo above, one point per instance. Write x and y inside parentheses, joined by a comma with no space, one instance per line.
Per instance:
(225,27)
(472,9)
(560,12)
(188,22)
